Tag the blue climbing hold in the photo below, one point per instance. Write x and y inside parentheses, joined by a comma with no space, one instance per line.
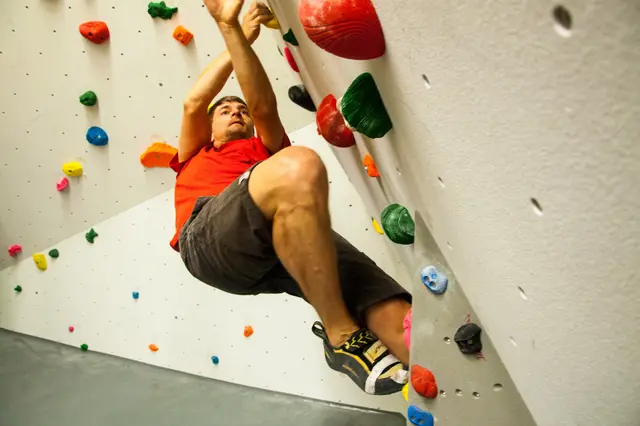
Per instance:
(97,136)
(419,417)
(215,360)
(435,280)
(136,295)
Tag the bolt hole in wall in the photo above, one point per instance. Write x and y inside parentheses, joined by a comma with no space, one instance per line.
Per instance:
(426,81)
(522,293)
(537,208)
(441,181)
(563,21)
(497,387)
(459,392)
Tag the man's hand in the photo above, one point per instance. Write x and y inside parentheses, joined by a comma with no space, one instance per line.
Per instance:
(224,11)
(258,14)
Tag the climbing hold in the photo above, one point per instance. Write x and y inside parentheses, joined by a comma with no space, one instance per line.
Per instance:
(291,59)
(299,96)
(18,289)
(158,154)
(62,184)
(398,224)
(290,37)
(183,35)
(331,125)
(423,382)
(135,295)
(91,235)
(406,327)
(40,261)
(88,98)
(272,23)
(161,10)
(370,166)
(84,347)
(215,360)
(72,168)
(97,136)
(54,253)
(153,348)
(363,109)
(405,391)
(419,417)
(248,331)
(346,28)
(377,227)
(14,250)
(435,280)
(71,328)
(468,338)
(95,31)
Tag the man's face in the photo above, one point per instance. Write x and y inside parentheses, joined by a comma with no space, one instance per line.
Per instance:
(231,121)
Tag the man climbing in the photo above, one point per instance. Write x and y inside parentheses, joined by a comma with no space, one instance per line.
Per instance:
(252,214)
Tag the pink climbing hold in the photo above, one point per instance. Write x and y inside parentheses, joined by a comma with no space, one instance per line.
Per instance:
(14,250)
(71,328)
(406,325)
(291,59)
(62,184)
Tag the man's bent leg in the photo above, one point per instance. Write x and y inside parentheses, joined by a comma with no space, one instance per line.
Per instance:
(292,190)
(385,320)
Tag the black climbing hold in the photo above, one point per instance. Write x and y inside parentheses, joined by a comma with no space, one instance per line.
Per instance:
(299,96)
(468,338)
(290,37)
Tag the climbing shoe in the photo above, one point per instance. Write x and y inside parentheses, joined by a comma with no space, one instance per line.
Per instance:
(366,360)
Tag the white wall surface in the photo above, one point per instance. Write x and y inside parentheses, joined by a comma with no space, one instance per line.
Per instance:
(516,110)
(140,76)
(90,287)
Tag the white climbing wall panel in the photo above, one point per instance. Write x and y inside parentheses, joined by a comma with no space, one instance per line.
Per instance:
(515,140)
(140,76)
(90,287)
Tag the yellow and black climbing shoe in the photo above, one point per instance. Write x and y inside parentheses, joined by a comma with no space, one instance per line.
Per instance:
(366,360)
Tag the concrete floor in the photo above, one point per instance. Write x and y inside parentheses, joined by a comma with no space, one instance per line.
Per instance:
(46,383)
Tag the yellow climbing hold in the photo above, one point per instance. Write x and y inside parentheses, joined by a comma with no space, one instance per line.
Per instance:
(273,24)
(41,261)
(73,169)
(377,227)
(405,391)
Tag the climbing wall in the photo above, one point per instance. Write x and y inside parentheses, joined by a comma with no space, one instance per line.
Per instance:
(514,146)
(91,287)
(140,76)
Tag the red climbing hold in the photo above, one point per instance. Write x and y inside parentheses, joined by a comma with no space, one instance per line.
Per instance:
(14,250)
(291,59)
(347,28)
(423,382)
(331,125)
(95,31)
(71,328)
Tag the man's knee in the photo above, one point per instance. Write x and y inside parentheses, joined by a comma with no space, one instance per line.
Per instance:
(301,168)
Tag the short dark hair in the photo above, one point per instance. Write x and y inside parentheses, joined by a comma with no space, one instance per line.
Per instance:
(224,100)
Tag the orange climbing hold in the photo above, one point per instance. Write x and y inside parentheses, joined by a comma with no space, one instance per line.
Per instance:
(159,154)
(183,35)
(153,348)
(95,31)
(423,382)
(248,331)
(370,166)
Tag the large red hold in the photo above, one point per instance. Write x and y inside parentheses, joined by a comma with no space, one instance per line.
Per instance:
(95,31)
(331,125)
(347,28)
(423,381)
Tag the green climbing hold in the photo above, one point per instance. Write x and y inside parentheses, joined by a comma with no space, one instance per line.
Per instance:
(160,10)
(84,347)
(398,224)
(363,108)
(54,253)
(91,235)
(18,289)
(88,98)
(290,37)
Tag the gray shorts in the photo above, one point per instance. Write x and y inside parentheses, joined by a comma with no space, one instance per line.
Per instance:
(227,244)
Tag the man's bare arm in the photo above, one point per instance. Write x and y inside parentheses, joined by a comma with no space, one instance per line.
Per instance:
(253,80)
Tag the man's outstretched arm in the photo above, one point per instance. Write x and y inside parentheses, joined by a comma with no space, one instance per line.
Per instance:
(196,124)
(252,77)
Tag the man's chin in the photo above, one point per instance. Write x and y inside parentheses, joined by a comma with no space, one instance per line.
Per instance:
(234,135)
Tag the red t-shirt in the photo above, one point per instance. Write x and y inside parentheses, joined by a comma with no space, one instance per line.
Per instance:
(210,171)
